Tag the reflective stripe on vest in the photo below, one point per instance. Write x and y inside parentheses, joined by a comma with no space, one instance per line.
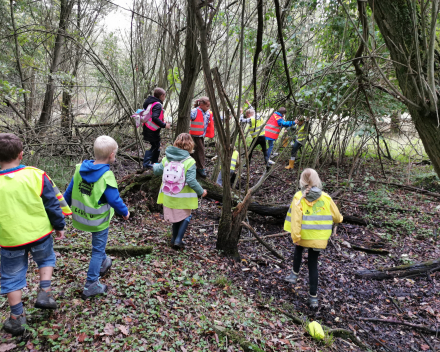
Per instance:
(186,199)
(23,218)
(150,124)
(197,126)
(255,127)
(272,130)
(317,220)
(234,160)
(89,210)
(91,223)
(63,204)
(288,220)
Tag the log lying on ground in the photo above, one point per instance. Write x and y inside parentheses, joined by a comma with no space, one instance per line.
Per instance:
(238,338)
(370,250)
(342,333)
(124,251)
(400,271)
(420,327)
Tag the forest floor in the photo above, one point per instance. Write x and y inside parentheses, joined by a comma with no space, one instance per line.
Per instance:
(172,300)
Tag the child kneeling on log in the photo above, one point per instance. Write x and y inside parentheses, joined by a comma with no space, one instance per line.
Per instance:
(179,190)
(310,219)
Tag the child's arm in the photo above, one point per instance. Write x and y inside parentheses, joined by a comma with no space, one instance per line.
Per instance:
(337,217)
(191,180)
(158,169)
(115,201)
(296,219)
(68,194)
(52,206)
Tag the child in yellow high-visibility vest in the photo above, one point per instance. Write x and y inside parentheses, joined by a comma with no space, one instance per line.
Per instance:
(310,220)
(235,160)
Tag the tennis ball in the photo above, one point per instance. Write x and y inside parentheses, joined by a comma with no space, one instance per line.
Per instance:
(315,330)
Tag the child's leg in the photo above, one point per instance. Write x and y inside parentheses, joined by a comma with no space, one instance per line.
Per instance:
(183,226)
(14,265)
(313,271)
(99,242)
(297,258)
(176,227)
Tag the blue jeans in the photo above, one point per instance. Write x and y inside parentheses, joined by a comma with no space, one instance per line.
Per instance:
(296,146)
(14,264)
(269,150)
(99,242)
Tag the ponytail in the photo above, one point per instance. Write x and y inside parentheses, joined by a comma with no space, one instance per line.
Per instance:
(304,194)
(197,103)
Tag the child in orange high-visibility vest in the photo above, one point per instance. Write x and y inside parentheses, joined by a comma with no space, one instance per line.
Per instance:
(312,214)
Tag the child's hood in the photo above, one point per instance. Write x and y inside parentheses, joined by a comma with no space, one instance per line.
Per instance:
(92,173)
(176,154)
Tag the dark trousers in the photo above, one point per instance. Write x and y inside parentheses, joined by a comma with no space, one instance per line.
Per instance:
(296,146)
(152,156)
(312,264)
(261,141)
(199,151)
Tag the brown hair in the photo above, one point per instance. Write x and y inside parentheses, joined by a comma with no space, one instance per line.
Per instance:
(201,100)
(185,142)
(282,110)
(10,147)
(158,92)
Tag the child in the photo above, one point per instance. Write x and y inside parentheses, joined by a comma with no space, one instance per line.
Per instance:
(178,202)
(29,212)
(93,193)
(310,220)
(235,159)
(302,132)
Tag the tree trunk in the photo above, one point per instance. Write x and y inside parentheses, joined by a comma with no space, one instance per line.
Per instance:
(401,25)
(190,73)
(66,9)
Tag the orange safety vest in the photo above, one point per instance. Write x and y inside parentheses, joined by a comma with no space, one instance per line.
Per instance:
(210,129)
(272,130)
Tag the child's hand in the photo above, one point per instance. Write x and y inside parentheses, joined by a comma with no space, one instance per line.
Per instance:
(60,235)
(205,193)
(126,216)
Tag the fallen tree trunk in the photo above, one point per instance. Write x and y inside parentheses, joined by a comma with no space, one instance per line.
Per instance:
(400,271)
(124,251)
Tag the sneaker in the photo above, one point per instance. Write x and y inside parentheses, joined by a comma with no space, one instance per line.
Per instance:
(45,300)
(291,278)
(15,324)
(94,289)
(275,154)
(313,301)
(270,162)
(105,266)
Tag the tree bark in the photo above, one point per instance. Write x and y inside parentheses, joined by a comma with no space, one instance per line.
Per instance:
(400,23)
(190,73)
(66,9)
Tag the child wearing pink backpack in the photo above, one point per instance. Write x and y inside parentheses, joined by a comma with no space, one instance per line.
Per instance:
(179,190)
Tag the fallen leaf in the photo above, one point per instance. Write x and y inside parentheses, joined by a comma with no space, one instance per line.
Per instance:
(129,302)
(109,329)
(123,329)
(424,347)
(7,347)
(30,345)
(82,337)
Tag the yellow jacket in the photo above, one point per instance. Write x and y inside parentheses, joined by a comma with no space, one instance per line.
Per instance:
(297,215)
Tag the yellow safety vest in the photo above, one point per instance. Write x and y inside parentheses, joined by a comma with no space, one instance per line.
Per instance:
(255,127)
(302,133)
(234,160)
(23,218)
(63,204)
(186,198)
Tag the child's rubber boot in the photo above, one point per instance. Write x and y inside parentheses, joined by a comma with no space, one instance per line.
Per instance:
(291,164)
(94,289)
(313,301)
(45,300)
(178,243)
(202,173)
(291,278)
(15,324)
(105,266)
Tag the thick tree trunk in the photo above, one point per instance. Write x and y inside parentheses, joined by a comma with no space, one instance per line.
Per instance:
(66,9)
(190,73)
(400,23)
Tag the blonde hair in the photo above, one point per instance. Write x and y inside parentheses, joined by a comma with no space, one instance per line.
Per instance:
(104,146)
(185,142)
(203,100)
(309,178)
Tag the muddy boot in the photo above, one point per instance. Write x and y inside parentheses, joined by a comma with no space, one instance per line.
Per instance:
(15,324)
(291,164)
(45,300)
(291,278)
(313,301)
(105,266)
(94,289)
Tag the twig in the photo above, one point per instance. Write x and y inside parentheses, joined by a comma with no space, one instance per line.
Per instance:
(423,328)
(268,236)
(273,251)
(392,299)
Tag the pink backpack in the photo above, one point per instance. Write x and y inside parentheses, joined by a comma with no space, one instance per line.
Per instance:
(173,178)
(143,116)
